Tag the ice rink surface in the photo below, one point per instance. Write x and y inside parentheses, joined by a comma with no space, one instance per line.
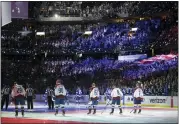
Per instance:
(78,114)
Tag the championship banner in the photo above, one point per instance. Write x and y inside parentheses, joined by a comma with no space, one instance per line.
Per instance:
(19,9)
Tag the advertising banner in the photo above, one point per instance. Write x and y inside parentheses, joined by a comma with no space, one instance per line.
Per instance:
(164,101)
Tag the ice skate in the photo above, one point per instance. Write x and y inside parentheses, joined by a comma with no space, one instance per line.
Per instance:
(89,112)
(16,114)
(63,112)
(120,109)
(22,113)
(94,112)
(112,111)
(139,111)
(56,112)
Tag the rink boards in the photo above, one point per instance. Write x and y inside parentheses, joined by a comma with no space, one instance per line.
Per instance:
(152,101)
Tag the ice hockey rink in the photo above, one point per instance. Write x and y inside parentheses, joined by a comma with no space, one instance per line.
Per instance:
(78,114)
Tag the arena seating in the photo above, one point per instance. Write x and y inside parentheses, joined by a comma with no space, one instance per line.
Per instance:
(98,10)
(31,59)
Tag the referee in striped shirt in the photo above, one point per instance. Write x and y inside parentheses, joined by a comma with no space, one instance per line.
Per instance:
(29,95)
(50,94)
(5,96)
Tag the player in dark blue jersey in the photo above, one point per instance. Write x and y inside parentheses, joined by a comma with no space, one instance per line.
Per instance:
(78,95)
(108,95)
(124,91)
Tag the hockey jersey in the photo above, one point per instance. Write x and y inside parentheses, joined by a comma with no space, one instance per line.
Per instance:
(18,91)
(29,92)
(138,93)
(60,91)
(124,91)
(49,92)
(78,92)
(116,93)
(5,91)
(94,93)
(108,93)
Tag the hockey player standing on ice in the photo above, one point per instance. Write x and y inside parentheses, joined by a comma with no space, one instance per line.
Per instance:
(116,95)
(45,98)
(60,94)
(78,95)
(108,95)
(18,94)
(94,96)
(138,97)
(5,96)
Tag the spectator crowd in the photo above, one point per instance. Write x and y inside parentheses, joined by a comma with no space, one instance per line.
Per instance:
(98,10)
(39,61)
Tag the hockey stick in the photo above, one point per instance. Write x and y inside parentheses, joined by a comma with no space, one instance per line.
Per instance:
(132,110)
(105,107)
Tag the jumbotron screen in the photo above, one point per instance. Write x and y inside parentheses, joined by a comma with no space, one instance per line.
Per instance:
(19,9)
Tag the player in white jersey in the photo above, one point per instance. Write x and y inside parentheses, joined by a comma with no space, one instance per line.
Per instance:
(60,94)
(116,95)
(138,97)
(94,96)
(18,94)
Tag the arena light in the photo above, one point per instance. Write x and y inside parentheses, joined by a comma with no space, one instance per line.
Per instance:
(40,33)
(134,29)
(141,18)
(80,55)
(88,32)
(56,16)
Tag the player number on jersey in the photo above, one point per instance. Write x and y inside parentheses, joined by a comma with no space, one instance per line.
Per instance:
(60,90)
(96,92)
(19,90)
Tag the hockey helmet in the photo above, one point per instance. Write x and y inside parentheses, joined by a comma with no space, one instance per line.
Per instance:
(58,82)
